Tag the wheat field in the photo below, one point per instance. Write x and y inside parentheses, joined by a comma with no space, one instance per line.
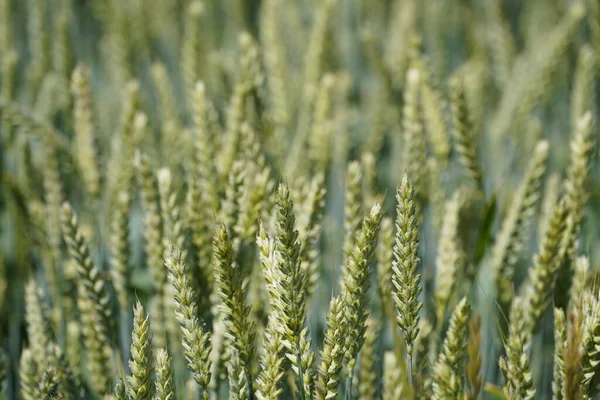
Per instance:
(299,199)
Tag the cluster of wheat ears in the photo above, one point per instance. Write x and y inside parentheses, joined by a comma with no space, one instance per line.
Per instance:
(279,199)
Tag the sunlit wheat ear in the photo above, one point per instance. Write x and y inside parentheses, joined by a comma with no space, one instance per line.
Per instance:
(154,228)
(501,42)
(170,210)
(583,94)
(582,145)
(85,135)
(28,376)
(271,363)
(332,354)
(38,42)
(130,112)
(465,138)
(395,382)
(38,324)
(120,390)
(287,283)
(95,342)
(423,347)
(258,187)
(508,246)
(238,379)
(434,109)
(309,224)
(415,145)
(548,199)
(94,302)
(68,385)
(590,360)
(357,279)
(131,129)
(406,280)
(139,382)
(49,384)
(515,366)
(62,49)
(314,58)
(273,358)
(120,248)
(320,139)
(449,256)
(448,372)
(247,81)
(167,106)
(202,199)
(232,291)
(230,206)
(367,375)
(274,58)
(196,341)
(560,343)
(53,196)
(581,277)
(191,48)
(543,274)
(164,384)
(532,73)
(353,205)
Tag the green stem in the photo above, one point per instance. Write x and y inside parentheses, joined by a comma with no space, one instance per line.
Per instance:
(410,370)
(349,384)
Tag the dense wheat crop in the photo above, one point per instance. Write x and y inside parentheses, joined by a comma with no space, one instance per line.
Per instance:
(299,199)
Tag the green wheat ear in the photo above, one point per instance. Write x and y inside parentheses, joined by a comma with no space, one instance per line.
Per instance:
(232,291)
(28,376)
(139,383)
(560,343)
(590,361)
(83,120)
(367,377)
(406,280)
(449,257)
(165,387)
(272,361)
(196,342)
(515,366)
(546,264)
(332,354)
(357,279)
(448,372)
(154,227)
(465,138)
(582,145)
(415,146)
(289,284)
(508,246)
(395,383)
(38,324)
(93,301)
(120,248)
